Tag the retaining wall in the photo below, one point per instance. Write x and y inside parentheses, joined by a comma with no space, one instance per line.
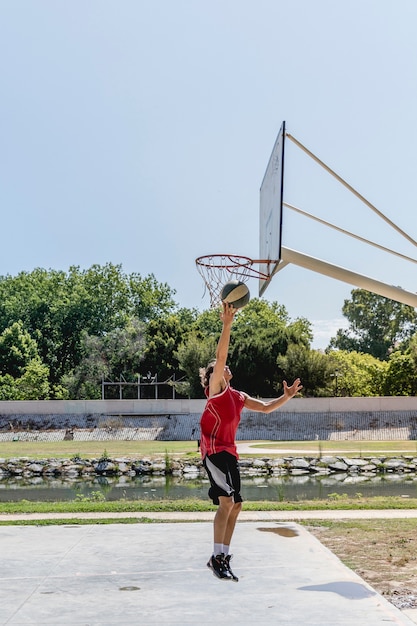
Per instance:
(178,420)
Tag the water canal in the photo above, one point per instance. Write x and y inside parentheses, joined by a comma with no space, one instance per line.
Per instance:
(277,488)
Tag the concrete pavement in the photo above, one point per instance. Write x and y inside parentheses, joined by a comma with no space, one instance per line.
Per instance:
(118,574)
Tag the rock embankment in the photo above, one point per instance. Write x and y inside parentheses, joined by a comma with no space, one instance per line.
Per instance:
(288,465)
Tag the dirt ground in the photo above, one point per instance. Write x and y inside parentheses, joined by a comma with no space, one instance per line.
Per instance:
(382,552)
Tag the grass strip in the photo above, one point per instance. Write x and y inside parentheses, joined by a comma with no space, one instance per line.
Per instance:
(188,449)
(191,505)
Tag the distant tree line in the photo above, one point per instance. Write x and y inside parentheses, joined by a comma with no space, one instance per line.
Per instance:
(62,333)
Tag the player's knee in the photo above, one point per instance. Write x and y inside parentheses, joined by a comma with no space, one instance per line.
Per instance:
(237,507)
(226,503)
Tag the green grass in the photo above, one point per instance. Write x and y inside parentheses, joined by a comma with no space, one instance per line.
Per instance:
(349,448)
(137,449)
(191,505)
(95,449)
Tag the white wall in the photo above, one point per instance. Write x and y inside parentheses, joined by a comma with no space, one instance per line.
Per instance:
(172,407)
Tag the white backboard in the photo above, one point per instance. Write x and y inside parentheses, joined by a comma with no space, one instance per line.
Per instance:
(271,199)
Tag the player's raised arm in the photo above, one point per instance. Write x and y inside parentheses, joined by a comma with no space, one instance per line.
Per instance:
(267,406)
(227,315)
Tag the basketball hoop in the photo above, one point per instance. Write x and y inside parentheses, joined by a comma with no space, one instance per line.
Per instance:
(218,269)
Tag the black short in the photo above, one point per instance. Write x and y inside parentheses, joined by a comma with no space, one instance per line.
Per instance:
(223,471)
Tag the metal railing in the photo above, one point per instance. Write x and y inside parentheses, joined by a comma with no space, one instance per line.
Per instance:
(143,383)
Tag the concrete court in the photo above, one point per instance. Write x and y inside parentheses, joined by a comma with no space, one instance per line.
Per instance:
(108,575)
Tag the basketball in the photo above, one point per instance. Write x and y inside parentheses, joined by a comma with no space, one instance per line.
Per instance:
(236,293)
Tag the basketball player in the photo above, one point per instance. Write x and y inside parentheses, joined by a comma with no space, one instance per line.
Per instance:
(219,423)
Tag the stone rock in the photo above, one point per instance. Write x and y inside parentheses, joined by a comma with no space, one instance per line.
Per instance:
(279,462)
(338,466)
(35,468)
(328,459)
(394,464)
(356,462)
(299,464)
(369,468)
(159,466)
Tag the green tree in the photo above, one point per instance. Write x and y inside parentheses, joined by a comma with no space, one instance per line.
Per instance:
(193,354)
(312,366)
(358,374)
(56,308)
(149,299)
(23,376)
(412,348)
(117,354)
(164,335)
(261,332)
(208,324)
(377,324)
(34,383)
(401,375)
(198,348)
(8,388)
(17,349)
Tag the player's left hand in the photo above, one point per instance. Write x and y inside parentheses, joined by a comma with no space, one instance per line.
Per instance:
(291,391)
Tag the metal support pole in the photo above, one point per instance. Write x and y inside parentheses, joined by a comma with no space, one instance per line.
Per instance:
(351,189)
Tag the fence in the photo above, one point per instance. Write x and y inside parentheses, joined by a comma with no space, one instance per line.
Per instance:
(145,388)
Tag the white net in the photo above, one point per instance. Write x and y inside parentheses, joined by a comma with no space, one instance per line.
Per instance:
(218,269)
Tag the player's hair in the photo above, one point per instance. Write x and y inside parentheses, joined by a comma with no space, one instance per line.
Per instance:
(205,373)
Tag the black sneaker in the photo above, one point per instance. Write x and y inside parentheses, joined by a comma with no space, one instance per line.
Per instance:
(218,567)
(226,561)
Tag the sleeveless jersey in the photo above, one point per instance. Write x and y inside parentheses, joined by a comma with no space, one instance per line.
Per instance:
(219,422)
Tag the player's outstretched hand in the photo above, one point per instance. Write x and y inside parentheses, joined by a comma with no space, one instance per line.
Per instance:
(227,312)
(291,391)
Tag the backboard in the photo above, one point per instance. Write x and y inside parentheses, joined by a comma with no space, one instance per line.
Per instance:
(271,199)
(274,256)
(216,269)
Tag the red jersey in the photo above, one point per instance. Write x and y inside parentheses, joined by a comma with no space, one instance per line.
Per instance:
(219,422)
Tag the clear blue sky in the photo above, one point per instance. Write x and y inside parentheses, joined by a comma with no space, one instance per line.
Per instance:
(138,132)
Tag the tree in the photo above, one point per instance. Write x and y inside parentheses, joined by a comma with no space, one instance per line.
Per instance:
(23,376)
(312,366)
(34,384)
(149,298)
(401,375)
(358,374)
(412,348)
(263,331)
(164,335)
(56,308)
(193,354)
(8,388)
(377,324)
(17,349)
(117,354)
